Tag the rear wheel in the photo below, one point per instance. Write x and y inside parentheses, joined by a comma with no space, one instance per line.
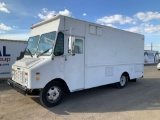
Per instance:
(52,94)
(123,81)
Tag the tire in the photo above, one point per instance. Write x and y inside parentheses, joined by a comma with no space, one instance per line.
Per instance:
(123,81)
(52,94)
(133,80)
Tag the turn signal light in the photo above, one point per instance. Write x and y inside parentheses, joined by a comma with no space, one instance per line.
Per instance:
(37,78)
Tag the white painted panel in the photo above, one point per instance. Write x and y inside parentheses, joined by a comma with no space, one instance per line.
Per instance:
(117,48)
(99,31)
(45,28)
(77,27)
(109,71)
(74,69)
(92,29)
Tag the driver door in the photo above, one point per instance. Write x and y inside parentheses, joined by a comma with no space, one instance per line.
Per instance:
(74,65)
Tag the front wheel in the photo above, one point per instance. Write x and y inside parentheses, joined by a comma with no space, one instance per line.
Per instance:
(123,81)
(52,94)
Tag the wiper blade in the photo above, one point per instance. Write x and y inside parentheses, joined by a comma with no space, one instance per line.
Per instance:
(43,52)
(30,52)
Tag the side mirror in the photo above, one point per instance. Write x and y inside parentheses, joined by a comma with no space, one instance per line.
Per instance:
(71,45)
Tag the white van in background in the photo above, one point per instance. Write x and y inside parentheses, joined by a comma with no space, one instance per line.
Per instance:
(151,57)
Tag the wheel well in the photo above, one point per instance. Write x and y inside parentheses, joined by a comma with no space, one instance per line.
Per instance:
(126,74)
(62,82)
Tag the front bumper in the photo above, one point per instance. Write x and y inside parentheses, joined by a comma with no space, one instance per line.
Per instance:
(18,87)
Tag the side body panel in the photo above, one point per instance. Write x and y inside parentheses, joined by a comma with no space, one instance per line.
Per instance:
(108,53)
(111,52)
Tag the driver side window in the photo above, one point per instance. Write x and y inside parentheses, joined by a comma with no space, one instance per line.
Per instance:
(78,47)
(59,47)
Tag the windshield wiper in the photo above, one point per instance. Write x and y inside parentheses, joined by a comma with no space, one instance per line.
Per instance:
(43,52)
(30,52)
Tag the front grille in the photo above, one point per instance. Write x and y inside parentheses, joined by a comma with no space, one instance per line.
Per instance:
(18,76)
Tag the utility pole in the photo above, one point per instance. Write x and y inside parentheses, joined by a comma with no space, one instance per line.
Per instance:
(151,46)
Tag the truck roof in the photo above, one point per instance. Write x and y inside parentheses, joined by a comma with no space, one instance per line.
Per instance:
(46,21)
(62,16)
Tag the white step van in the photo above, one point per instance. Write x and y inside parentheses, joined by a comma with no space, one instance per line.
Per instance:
(65,52)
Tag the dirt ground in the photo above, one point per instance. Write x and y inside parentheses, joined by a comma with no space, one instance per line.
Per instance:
(137,101)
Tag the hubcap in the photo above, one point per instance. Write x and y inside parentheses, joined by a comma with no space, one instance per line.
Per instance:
(123,80)
(53,94)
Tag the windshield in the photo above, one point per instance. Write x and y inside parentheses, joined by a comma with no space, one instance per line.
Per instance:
(32,45)
(46,44)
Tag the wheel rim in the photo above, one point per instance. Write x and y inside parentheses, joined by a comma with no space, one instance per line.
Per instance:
(123,80)
(53,94)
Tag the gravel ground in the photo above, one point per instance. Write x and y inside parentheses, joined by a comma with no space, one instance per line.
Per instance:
(137,101)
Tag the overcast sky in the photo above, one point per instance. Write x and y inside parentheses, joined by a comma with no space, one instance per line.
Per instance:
(16,16)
